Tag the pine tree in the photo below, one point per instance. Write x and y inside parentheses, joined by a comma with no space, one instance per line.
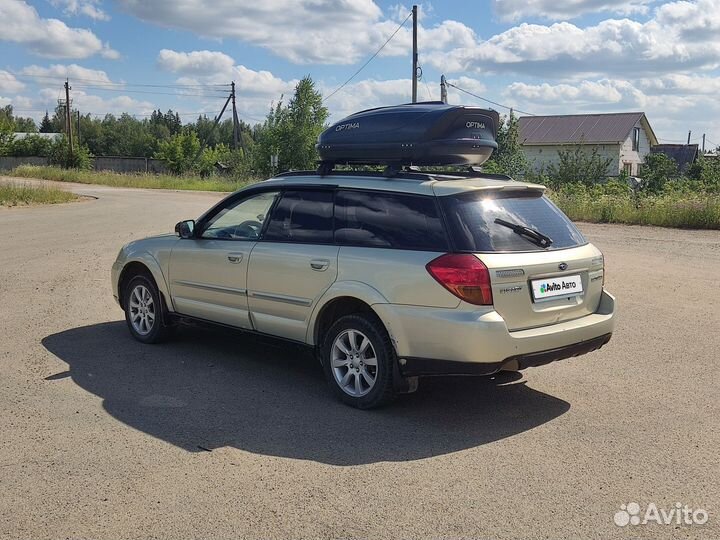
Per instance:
(46,125)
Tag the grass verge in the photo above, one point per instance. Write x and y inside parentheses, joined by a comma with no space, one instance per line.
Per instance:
(686,211)
(16,194)
(149,181)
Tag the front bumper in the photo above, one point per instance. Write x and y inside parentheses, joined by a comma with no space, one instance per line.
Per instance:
(445,341)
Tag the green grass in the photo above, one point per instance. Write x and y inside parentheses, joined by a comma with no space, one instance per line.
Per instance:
(150,181)
(690,211)
(16,194)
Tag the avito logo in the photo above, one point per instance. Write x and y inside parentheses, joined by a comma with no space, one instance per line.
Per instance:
(552,287)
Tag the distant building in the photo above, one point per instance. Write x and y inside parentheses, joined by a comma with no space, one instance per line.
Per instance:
(625,138)
(683,154)
(52,136)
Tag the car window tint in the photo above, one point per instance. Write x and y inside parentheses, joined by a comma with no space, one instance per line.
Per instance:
(471,219)
(302,216)
(240,220)
(392,220)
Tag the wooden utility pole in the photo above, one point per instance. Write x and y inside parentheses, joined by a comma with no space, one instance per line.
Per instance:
(68,115)
(236,126)
(689,133)
(414,55)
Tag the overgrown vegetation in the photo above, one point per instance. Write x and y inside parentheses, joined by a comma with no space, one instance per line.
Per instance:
(149,181)
(15,194)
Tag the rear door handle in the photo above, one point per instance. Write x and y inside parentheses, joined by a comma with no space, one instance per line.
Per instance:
(235,257)
(319,264)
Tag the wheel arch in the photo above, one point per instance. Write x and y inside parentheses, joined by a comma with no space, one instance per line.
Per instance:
(143,265)
(342,299)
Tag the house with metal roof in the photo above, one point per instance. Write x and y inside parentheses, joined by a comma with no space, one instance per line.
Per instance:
(683,154)
(624,138)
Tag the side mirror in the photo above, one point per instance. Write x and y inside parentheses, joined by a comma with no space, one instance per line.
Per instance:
(185,229)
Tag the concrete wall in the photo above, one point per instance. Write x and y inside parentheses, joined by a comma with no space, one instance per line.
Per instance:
(100,163)
(10,162)
(128,164)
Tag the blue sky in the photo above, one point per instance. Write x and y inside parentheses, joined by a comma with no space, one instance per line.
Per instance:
(539,56)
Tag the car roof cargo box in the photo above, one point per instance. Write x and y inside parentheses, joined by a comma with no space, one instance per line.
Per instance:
(431,133)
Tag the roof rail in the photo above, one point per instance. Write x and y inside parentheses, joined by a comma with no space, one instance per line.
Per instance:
(409,173)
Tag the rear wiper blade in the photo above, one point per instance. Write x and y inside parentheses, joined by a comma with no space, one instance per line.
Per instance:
(534,236)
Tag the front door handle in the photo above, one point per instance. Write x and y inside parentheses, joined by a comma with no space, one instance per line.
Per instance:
(319,264)
(235,257)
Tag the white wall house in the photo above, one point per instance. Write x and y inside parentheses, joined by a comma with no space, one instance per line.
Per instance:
(624,138)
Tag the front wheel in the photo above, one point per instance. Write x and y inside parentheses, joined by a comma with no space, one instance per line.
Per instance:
(358,361)
(145,310)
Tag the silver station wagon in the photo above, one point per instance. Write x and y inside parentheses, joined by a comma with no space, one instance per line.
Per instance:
(389,276)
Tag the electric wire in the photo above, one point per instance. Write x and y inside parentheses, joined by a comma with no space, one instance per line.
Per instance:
(368,60)
(489,100)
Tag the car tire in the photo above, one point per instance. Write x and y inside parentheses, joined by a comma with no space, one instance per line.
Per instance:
(358,360)
(145,311)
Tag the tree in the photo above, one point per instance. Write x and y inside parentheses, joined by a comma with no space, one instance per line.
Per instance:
(179,153)
(576,164)
(657,170)
(25,125)
(291,131)
(46,125)
(508,158)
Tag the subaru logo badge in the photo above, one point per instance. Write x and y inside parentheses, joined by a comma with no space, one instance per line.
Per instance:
(562,266)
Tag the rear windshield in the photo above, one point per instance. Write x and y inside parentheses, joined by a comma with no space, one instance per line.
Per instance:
(471,219)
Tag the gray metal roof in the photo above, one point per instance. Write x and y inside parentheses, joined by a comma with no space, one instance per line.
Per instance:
(611,128)
(683,154)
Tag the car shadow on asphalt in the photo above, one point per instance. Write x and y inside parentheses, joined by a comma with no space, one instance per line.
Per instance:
(208,389)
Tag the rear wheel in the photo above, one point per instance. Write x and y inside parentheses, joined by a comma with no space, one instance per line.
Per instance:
(358,361)
(145,311)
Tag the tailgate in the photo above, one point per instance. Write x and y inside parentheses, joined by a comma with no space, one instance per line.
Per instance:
(545,287)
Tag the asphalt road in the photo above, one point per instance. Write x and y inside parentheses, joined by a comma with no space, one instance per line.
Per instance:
(221,435)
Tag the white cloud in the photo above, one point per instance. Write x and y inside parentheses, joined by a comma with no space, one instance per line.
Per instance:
(302,31)
(195,62)
(88,8)
(8,82)
(610,47)
(71,71)
(673,103)
(513,10)
(94,104)
(48,37)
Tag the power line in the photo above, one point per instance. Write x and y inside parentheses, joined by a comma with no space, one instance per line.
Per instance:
(105,82)
(368,60)
(489,100)
(152,92)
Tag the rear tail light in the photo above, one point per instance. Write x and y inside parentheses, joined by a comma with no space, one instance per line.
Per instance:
(464,275)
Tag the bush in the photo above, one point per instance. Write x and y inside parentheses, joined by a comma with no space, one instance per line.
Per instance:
(78,158)
(32,145)
(210,158)
(180,153)
(578,165)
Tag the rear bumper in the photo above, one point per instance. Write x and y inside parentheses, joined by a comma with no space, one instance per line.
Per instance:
(447,341)
(428,367)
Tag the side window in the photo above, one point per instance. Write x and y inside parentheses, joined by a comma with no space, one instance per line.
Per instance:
(392,220)
(241,220)
(302,216)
